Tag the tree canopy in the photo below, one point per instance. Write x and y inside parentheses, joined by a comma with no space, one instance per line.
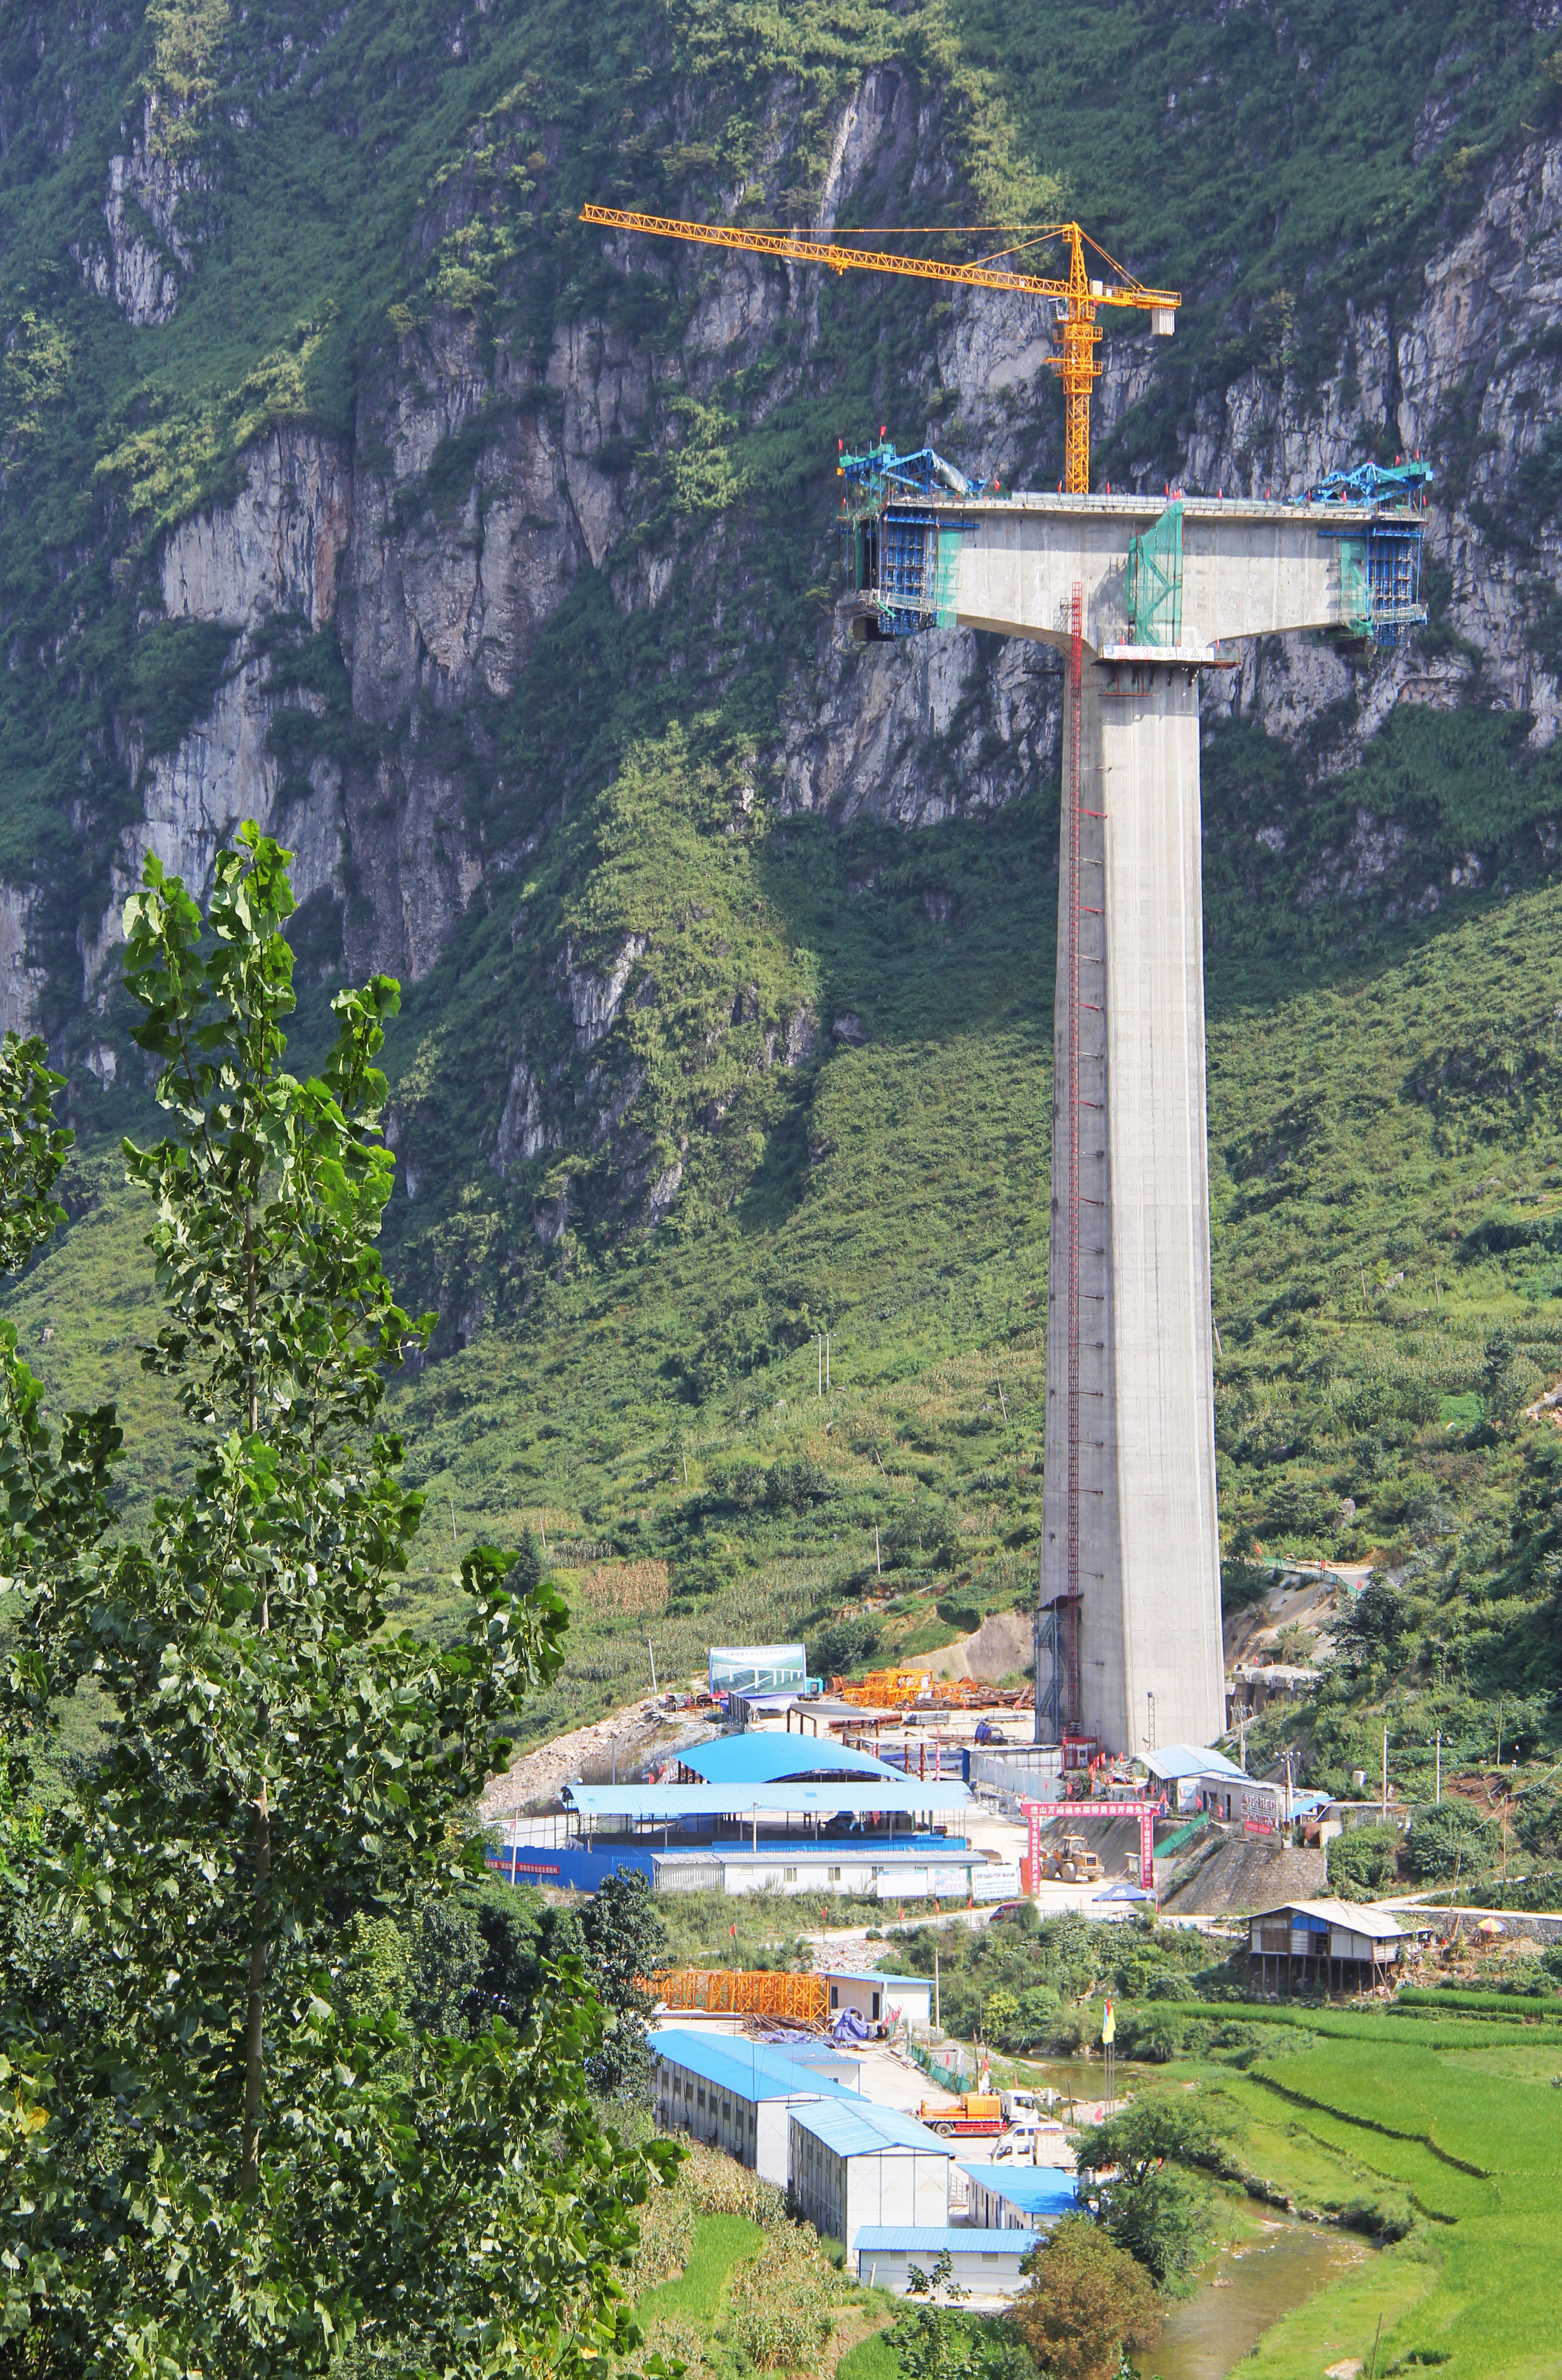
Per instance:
(219,2151)
(1088,2303)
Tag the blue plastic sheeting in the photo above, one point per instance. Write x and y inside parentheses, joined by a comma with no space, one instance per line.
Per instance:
(672,1803)
(1175,1760)
(856,2128)
(1031,2189)
(956,2239)
(569,1865)
(746,2069)
(766,1759)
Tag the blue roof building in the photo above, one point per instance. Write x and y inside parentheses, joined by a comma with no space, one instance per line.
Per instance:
(1019,2197)
(732,2093)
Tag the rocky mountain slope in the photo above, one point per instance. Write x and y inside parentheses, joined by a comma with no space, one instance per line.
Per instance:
(351,484)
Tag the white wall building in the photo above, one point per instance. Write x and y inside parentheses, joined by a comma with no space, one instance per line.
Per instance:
(852,2163)
(985,2263)
(881,1999)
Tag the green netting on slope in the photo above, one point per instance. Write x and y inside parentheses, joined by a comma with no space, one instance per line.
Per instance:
(946,575)
(1153,583)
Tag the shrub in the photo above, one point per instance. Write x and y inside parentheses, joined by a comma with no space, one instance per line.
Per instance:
(793,1487)
(1035,2021)
(841,1645)
(1445,1837)
(925,1529)
(742,1485)
(782,2300)
(1243,1583)
(1361,1861)
(1154,2034)
(1382,2218)
(1166,2223)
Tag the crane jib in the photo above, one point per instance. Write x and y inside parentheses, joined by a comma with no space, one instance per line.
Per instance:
(1077,299)
(797,249)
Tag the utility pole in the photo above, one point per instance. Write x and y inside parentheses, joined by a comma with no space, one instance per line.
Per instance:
(651,1650)
(1439,1772)
(877,1557)
(818,1341)
(938,2003)
(826,1360)
(1242,1741)
(1386,1775)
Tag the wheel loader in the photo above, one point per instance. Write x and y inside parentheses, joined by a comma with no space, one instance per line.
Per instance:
(1071,1861)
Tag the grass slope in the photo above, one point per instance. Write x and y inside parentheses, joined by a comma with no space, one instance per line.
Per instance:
(1387,1163)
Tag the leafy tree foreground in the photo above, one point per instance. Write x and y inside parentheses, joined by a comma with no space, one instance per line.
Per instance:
(218,2152)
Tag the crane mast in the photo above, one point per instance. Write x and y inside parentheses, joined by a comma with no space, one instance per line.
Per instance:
(1077,298)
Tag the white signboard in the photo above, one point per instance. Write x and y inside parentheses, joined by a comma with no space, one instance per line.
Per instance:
(903,1884)
(996,1880)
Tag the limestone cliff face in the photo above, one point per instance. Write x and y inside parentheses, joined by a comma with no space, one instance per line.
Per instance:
(272,554)
(448,578)
(483,483)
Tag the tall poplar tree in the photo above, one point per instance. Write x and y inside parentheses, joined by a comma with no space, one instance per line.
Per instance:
(212,2160)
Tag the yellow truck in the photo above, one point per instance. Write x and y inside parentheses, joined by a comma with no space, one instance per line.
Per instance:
(975,2115)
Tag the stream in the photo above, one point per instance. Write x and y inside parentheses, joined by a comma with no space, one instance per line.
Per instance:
(1242,2290)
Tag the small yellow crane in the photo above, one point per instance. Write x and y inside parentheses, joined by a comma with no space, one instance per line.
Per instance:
(1077,298)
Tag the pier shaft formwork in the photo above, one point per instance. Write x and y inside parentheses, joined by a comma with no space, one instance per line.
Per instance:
(1129,1520)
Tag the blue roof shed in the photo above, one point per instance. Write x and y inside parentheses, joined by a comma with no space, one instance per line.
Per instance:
(761,1759)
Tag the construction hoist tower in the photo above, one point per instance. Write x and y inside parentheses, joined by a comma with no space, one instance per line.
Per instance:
(1139,595)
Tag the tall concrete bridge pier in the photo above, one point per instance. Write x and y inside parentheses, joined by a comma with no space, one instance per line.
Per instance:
(1140,597)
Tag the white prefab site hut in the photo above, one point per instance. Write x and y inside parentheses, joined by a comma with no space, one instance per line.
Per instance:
(853,2163)
(881,1999)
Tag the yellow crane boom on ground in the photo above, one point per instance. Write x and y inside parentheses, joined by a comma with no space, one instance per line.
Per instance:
(1078,297)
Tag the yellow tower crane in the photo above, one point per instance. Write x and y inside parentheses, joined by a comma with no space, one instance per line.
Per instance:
(1078,297)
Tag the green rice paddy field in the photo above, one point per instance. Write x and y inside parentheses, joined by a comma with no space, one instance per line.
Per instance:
(1458,2125)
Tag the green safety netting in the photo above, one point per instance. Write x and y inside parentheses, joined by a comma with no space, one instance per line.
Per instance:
(1152,584)
(946,576)
(1355,589)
